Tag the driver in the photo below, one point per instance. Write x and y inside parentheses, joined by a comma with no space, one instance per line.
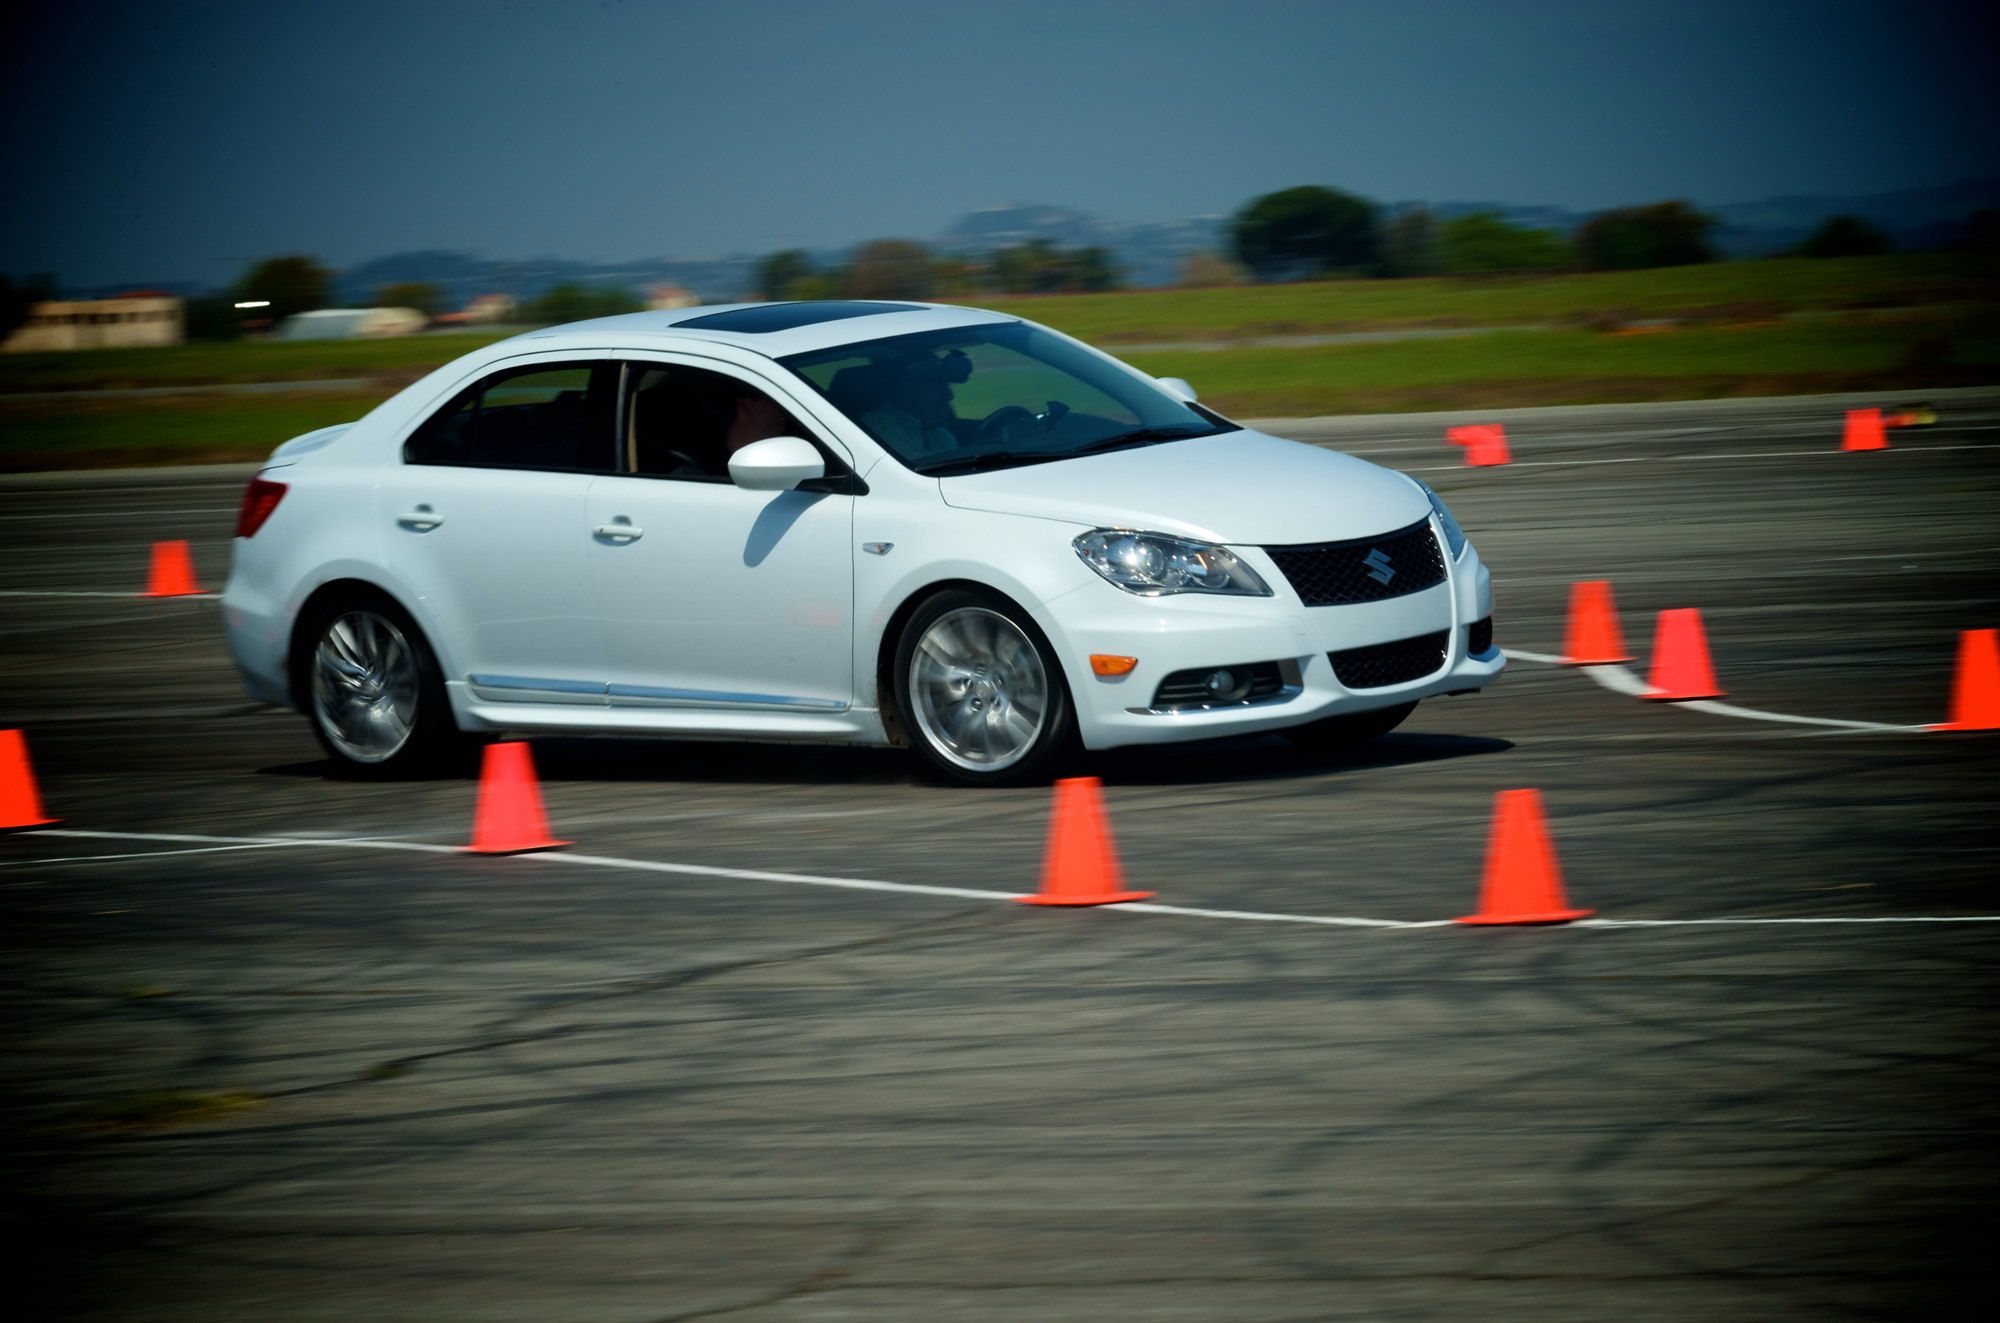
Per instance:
(914,416)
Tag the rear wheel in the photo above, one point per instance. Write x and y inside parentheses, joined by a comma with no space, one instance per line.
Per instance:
(1330,734)
(981,692)
(372,689)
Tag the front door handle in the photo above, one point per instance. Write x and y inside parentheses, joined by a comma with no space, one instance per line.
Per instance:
(620,529)
(423,519)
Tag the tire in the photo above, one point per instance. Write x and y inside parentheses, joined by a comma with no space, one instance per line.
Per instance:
(1331,734)
(980,692)
(372,691)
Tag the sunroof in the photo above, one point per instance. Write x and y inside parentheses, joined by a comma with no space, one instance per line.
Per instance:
(784,316)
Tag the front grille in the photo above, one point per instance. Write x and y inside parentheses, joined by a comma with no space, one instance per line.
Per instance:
(1184,689)
(1366,569)
(1382,664)
(1479,636)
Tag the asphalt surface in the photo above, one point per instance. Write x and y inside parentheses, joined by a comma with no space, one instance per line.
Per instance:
(538,1088)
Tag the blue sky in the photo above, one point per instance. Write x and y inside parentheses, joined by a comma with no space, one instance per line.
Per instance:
(184,140)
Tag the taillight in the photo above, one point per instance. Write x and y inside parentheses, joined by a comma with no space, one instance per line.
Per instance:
(260,498)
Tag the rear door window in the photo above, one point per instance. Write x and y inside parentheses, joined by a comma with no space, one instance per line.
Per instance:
(551,416)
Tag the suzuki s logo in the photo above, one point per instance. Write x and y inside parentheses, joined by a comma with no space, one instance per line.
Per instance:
(1378,565)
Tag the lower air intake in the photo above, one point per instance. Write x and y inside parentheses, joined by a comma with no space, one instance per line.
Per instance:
(1382,664)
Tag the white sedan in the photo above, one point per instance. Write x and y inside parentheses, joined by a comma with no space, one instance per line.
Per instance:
(840,522)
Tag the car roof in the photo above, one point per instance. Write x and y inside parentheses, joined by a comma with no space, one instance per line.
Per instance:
(794,328)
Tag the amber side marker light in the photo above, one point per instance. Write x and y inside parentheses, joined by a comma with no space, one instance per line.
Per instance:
(1105,664)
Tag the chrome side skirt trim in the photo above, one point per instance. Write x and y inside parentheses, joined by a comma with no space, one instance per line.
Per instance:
(536,686)
(648,693)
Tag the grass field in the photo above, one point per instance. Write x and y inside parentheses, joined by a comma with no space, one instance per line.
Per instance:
(1500,369)
(1784,326)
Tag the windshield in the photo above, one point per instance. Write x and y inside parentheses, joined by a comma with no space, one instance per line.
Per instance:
(980,397)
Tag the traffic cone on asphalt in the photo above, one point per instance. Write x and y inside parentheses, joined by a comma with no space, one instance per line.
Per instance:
(173,571)
(1522,883)
(20,806)
(509,819)
(1485,443)
(1975,691)
(1593,638)
(1681,668)
(1081,866)
(1864,431)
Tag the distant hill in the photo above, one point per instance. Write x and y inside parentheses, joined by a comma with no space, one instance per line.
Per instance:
(1148,252)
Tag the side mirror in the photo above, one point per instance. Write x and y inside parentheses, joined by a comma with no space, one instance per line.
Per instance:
(1177,388)
(775,464)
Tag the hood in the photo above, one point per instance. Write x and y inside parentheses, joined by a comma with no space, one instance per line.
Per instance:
(1240,487)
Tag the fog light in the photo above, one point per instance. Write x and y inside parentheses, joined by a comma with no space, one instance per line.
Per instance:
(1225,686)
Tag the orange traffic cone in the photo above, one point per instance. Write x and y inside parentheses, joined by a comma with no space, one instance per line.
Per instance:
(1975,692)
(1680,659)
(1593,638)
(20,806)
(1522,883)
(173,571)
(1081,867)
(1864,431)
(509,819)
(1485,443)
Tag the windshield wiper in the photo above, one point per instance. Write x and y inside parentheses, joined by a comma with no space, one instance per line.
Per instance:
(1140,436)
(991,459)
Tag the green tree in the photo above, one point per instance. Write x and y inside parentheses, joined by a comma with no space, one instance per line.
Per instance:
(1845,236)
(212,317)
(576,303)
(1305,231)
(17,301)
(1484,244)
(778,274)
(1663,234)
(420,295)
(1410,244)
(890,269)
(290,284)
(1093,270)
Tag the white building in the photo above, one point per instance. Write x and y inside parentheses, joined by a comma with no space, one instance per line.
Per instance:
(351,323)
(139,318)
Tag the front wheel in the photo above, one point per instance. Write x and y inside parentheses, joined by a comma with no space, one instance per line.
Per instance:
(981,693)
(374,692)
(1331,734)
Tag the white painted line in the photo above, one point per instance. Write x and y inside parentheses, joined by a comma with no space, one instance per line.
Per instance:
(177,597)
(1619,680)
(913,888)
(137,854)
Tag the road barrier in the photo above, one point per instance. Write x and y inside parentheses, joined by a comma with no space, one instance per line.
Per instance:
(1521,884)
(172,572)
(1080,866)
(509,817)
(1681,668)
(20,803)
(1592,637)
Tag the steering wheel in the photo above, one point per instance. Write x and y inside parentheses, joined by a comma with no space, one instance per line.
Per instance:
(1003,421)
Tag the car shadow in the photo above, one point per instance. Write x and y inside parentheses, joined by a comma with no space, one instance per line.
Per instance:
(1208,762)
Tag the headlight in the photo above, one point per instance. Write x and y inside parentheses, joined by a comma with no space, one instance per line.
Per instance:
(1454,536)
(1154,564)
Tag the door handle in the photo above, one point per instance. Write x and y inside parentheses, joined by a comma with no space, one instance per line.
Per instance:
(620,530)
(423,519)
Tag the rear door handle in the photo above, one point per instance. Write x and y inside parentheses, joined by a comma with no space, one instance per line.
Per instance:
(423,519)
(620,530)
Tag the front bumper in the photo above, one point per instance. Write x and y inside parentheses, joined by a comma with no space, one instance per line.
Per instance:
(1191,631)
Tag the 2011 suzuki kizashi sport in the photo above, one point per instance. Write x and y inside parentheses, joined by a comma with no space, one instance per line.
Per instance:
(852,522)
